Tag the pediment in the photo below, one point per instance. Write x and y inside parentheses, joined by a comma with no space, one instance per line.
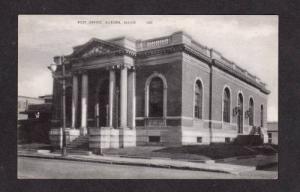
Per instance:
(95,47)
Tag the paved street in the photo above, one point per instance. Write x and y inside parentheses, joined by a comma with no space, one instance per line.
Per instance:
(30,168)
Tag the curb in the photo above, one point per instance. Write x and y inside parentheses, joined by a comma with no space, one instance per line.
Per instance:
(122,162)
(163,158)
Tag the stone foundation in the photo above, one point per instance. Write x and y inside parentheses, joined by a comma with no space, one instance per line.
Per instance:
(196,135)
(56,136)
(108,137)
(104,138)
(193,136)
(127,137)
(168,136)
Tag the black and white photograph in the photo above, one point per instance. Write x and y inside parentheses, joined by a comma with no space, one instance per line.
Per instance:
(147,97)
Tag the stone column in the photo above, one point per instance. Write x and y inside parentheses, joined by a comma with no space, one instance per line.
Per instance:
(123,99)
(84,100)
(112,83)
(74,100)
(131,99)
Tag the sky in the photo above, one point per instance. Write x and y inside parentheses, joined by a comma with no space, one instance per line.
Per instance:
(250,41)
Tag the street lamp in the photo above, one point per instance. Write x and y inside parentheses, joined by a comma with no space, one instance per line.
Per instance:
(62,77)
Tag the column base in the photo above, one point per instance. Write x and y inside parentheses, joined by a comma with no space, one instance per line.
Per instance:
(102,138)
(127,137)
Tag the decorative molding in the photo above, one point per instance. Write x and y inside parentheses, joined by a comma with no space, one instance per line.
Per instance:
(240,75)
(105,54)
(191,51)
(160,51)
(98,50)
(120,66)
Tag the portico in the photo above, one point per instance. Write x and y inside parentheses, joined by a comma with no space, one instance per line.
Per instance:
(120,95)
(106,101)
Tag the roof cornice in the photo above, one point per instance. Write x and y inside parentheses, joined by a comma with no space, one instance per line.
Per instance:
(177,42)
(191,51)
(239,75)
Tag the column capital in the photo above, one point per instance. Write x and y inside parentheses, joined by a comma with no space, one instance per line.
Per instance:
(125,65)
(120,66)
(132,68)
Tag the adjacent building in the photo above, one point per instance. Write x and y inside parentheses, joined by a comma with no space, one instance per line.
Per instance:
(164,91)
(272,132)
(34,116)
(24,102)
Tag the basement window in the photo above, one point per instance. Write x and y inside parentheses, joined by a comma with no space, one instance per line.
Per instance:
(154,139)
(227,139)
(199,139)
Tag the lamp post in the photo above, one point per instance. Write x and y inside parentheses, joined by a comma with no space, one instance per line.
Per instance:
(53,68)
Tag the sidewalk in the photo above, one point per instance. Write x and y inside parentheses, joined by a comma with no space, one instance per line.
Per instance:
(233,166)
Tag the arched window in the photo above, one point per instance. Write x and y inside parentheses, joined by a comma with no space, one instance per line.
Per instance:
(198,100)
(261,115)
(156,97)
(226,105)
(240,118)
(251,110)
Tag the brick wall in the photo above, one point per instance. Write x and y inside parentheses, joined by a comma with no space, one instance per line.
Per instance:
(193,69)
(222,79)
(172,72)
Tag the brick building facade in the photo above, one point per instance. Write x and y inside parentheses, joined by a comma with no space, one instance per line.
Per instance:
(169,90)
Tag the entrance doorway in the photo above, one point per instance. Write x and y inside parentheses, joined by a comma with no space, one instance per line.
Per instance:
(103,103)
(240,113)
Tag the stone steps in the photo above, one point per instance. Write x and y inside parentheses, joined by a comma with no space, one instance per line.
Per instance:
(82,146)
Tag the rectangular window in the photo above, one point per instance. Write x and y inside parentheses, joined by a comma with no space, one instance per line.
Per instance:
(154,139)
(199,139)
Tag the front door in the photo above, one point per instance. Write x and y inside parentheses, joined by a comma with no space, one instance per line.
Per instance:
(103,103)
(103,113)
